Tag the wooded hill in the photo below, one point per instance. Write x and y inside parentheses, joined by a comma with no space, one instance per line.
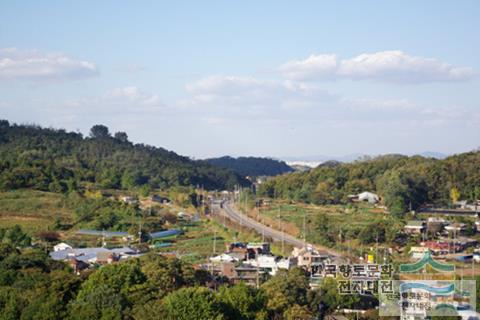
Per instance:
(401,181)
(252,166)
(57,160)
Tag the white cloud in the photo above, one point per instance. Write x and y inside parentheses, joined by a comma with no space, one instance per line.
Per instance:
(387,66)
(248,92)
(34,65)
(132,95)
(131,68)
(123,100)
(323,65)
(235,98)
(379,104)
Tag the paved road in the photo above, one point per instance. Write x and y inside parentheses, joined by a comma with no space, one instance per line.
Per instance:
(269,232)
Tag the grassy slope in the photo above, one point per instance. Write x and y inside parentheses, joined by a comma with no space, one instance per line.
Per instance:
(32,210)
(36,211)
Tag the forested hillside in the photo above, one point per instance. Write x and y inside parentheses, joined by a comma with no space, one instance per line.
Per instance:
(252,166)
(57,160)
(402,181)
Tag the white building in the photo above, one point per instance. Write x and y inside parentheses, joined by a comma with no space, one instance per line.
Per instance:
(369,197)
(270,263)
(61,246)
(418,252)
(224,257)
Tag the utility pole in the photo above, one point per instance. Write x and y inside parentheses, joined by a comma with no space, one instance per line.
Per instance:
(103,238)
(140,232)
(304,229)
(215,242)
(258,276)
(280,222)
(473,265)
(263,230)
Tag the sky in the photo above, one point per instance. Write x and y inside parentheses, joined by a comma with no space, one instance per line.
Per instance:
(254,78)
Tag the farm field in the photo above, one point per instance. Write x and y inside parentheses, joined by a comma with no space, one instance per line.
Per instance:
(293,214)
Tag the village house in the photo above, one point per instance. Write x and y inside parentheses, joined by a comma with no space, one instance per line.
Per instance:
(439,248)
(418,252)
(308,257)
(464,205)
(129,200)
(107,257)
(446,246)
(224,257)
(61,246)
(415,227)
(241,273)
(456,228)
(239,251)
(77,265)
(435,225)
(93,256)
(271,264)
(259,247)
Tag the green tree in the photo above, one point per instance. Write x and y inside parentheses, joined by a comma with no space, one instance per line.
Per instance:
(243,302)
(106,292)
(15,236)
(99,131)
(394,191)
(100,302)
(192,303)
(326,298)
(324,230)
(297,312)
(373,232)
(121,136)
(285,289)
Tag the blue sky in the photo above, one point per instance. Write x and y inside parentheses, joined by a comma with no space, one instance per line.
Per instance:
(268,78)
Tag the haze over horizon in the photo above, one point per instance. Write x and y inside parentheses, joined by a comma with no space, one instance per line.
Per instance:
(294,81)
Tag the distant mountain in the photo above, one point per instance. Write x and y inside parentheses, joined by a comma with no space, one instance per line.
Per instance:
(433,154)
(252,166)
(315,160)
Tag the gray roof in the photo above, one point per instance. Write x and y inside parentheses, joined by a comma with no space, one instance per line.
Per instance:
(108,234)
(415,223)
(85,254)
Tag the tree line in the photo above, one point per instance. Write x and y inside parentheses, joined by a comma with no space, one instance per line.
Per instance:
(252,166)
(59,161)
(403,182)
(32,286)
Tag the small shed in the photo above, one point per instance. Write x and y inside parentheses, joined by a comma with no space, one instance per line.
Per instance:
(415,227)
